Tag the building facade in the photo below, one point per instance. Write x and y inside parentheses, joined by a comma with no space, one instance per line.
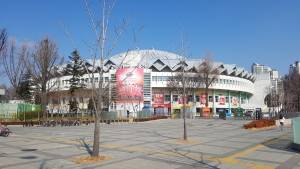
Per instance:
(138,80)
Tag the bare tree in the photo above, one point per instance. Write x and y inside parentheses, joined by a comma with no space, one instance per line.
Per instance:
(14,65)
(3,39)
(41,65)
(291,88)
(207,74)
(184,82)
(100,51)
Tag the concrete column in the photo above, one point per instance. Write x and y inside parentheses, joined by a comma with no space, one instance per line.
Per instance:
(240,99)
(229,104)
(214,103)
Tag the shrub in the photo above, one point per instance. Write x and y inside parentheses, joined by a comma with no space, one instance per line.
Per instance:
(259,124)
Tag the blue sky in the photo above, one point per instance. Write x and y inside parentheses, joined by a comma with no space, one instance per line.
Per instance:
(235,31)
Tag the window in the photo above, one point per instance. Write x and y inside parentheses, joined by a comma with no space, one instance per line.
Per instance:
(190,98)
(210,98)
(216,98)
(154,78)
(167,98)
(106,79)
(175,98)
(86,80)
(227,99)
(197,99)
(243,100)
(96,79)
(159,78)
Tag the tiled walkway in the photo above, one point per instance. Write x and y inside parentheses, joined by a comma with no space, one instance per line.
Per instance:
(154,144)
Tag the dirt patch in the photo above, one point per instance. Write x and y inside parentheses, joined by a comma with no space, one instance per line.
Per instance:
(183,142)
(89,159)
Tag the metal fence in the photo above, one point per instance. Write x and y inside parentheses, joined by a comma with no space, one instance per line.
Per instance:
(296,130)
(18,110)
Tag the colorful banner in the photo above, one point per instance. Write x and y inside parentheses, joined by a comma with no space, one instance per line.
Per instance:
(181,100)
(234,101)
(222,100)
(203,99)
(158,98)
(130,84)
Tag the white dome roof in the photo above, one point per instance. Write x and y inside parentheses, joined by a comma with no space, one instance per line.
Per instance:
(143,58)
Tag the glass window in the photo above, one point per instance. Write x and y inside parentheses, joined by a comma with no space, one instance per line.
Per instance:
(216,98)
(159,78)
(243,100)
(190,98)
(96,79)
(175,98)
(106,79)
(197,99)
(210,98)
(167,98)
(227,99)
(154,78)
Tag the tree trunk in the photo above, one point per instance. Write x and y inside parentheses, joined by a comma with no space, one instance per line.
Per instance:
(184,115)
(44,102)
(95,152)
(206,96)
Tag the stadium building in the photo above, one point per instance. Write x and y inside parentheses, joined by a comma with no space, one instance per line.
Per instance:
(138,80)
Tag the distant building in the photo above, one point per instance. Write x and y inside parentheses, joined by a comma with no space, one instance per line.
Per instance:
(295,67)
(2,92)
(267,81)
(260,69)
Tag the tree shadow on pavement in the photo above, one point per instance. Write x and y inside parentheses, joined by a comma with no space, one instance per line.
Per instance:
(86,146)
(283,142)
(198,163)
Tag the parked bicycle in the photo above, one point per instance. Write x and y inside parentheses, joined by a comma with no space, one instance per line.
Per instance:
(4,131)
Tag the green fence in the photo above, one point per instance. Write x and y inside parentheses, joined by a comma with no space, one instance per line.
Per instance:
(109,115)
(296,130)
(19,111)
(144,114)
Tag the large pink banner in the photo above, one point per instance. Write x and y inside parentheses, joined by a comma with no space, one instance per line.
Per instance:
(130,84)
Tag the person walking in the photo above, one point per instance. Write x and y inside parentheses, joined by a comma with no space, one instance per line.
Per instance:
(281,121)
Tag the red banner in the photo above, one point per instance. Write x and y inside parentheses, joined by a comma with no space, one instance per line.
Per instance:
(158,98)
(130,84)
(202,98)
(222,100)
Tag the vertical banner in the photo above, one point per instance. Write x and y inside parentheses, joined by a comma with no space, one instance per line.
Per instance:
(222,100)
(130,84)
(234,101)
(203,99)
(183,100)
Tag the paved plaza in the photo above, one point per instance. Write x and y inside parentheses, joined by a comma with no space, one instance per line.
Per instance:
(151,145)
